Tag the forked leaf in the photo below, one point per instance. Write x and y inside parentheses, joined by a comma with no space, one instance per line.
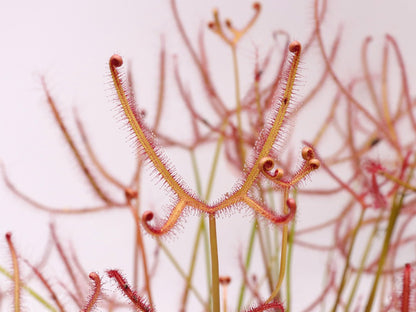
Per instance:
(241,193)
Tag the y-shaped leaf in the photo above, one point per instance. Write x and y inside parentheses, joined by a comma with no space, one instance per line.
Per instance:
(241,193)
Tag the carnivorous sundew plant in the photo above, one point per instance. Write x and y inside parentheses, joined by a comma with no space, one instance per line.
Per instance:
(285,182)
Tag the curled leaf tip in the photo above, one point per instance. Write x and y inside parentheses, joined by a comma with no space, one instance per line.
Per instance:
(147,216)
(295,46)
(257,6)
(314,163)
(116,60)
(94,276)
(307,153)
(266,163)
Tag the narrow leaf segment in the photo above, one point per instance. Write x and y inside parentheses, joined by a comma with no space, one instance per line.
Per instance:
(16,273)
(138,302)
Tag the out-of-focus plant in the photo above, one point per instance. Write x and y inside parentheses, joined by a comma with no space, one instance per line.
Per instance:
(373,121)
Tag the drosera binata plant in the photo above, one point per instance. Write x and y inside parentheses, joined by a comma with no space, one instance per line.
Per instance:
(262,163)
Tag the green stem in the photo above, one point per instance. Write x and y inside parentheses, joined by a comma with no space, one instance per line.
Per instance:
(214,264)
(33,293)
(394,214)
(196,173)
(397,205)
(289,265)
(283,253)
(180,270)
(265,251)
(395,211)
(213,229)
(207,261)
(247,263)
(201,229)
(139,243)
(145,266)
(347,262)
(363,260)
(265,254)
(136,248)
(215,161)
(274,258)
(238,106)
(290,241)
(241,152)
